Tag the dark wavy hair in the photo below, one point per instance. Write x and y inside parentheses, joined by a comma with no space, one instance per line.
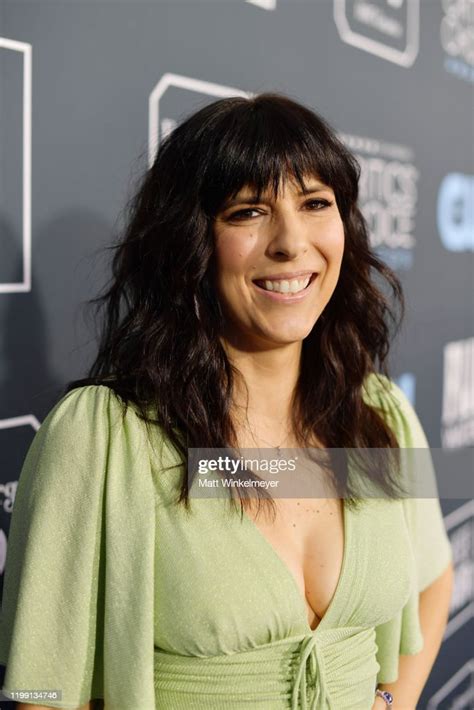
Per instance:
(159,343)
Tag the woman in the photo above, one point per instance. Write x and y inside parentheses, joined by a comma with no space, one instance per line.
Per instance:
(242,312)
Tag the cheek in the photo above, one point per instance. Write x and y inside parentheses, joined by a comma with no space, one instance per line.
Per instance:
(334,244)
(232,255)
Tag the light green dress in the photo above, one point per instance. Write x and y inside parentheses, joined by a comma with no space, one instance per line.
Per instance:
(111,591)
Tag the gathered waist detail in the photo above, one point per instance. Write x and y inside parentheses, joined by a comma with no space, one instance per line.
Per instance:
(329,670)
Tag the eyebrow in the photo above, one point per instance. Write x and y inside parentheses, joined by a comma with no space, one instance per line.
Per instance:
(252,200)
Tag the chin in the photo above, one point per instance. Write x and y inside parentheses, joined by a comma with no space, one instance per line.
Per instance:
(291,331)
(288,336)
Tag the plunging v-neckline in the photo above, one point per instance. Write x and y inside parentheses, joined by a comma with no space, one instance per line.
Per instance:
(289,574)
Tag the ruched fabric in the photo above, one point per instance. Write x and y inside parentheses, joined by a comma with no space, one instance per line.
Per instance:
(315,671)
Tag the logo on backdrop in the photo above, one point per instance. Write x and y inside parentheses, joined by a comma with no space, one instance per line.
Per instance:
(407,383)
(388,195)
(15,110)
(265,4)
(174,97)
(457,691)
(457,37)
(455,212)
(458,400)
(3,550)
(7,495)
(460,526)
(20,431)
(390,29)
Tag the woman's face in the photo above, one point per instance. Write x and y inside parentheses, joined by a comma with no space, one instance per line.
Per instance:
(265,254)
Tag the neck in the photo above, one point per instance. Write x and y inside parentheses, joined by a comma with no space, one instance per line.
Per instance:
(267,379)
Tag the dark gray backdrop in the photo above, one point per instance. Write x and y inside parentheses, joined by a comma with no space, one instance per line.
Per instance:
(394,77)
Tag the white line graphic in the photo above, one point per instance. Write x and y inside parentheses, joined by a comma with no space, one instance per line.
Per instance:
(181,82)
(26,50)
(404,58)
(464,701)
(26,420)
(266,4)
(457,517)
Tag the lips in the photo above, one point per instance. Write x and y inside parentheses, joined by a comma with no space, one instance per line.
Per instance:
(287,297)
(304,275)
(282,276)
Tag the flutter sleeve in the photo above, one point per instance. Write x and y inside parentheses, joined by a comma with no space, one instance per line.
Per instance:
(77,605)
(431,548)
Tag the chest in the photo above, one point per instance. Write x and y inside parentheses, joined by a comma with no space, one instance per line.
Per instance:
(225,583)
(308,536)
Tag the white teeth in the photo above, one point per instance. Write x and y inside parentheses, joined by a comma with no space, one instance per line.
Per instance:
(284,286)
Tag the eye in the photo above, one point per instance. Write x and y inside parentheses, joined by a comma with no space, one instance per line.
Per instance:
(324,203)
(242,214)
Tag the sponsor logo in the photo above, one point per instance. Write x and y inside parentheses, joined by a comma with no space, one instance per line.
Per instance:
(390,29)
(458,690)
(407,383)
(455,212)
(8,488)
(457,37)
(458,400)
(388,195)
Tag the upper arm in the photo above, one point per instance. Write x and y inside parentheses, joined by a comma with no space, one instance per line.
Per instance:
(428,535)
(444,580)
(53,585)
(81,551)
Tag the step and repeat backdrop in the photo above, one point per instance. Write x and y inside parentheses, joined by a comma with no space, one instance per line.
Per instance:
(88,90)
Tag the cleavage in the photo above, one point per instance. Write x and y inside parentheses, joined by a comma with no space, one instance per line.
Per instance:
(308,537)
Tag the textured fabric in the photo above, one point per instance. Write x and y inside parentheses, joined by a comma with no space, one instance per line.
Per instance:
(112,591)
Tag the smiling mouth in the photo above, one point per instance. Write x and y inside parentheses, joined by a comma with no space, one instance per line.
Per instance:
(286,287)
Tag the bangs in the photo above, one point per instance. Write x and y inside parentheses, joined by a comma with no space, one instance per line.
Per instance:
(261,145)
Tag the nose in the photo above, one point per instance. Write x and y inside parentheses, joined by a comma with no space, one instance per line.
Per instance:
(289,236)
